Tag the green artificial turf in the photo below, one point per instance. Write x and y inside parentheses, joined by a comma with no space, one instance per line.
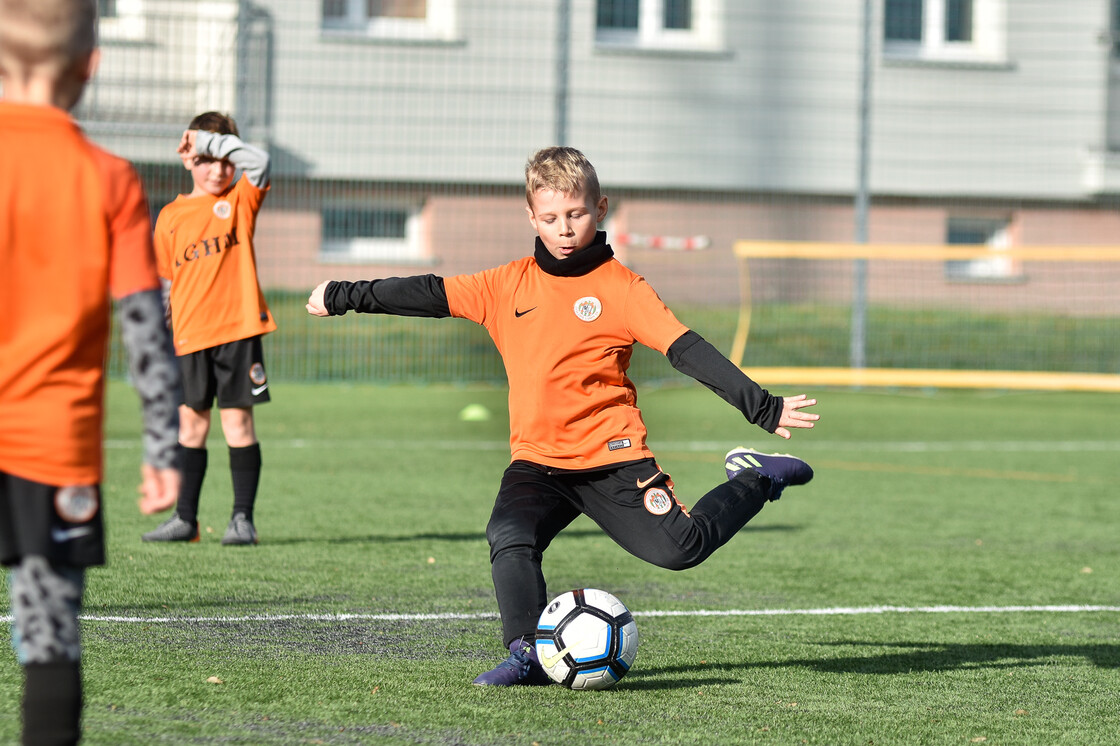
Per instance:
(372,514)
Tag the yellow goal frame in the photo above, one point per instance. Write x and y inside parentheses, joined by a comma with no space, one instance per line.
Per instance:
(910,377)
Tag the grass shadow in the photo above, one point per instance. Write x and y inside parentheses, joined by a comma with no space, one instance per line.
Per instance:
(588,533)
(893,658)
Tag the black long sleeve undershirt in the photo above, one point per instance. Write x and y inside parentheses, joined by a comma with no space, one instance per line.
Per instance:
(421,295)
(691,354)
(694,356)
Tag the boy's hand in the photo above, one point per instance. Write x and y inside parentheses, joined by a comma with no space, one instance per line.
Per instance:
(159,488)
(186,149)
(792,416)
(315,305)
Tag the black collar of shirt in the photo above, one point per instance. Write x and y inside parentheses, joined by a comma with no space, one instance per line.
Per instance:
(579,263)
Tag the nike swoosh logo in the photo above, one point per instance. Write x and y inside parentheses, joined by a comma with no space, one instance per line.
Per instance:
(642,485)
(519,314)
(258,389)
(548,661)
(59,536)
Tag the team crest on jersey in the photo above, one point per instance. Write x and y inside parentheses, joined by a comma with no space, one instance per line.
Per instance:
(256,374)
(223,209)
(588,308)
(658,501)
(76,504)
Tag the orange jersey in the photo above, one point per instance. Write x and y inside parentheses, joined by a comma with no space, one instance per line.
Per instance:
(566,343)
(205,248)
(74,228)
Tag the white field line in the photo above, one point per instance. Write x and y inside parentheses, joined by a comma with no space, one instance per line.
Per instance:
(832,611)
(806,443)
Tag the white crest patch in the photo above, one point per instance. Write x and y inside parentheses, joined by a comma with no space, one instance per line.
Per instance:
(658,501)
(76,504)
(588,308)
(222,209)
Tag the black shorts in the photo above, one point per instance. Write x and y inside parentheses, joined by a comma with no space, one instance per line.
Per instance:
(63,524)
(633,502)
(232,372)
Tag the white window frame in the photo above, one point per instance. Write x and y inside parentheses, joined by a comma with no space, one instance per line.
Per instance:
(406,250)
(994,269)
(989,36)
(128,24)
(438,25)
(705,33)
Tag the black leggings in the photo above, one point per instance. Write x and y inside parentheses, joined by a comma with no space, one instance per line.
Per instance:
(633,503)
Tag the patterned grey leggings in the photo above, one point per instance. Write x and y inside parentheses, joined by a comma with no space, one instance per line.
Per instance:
(45,605)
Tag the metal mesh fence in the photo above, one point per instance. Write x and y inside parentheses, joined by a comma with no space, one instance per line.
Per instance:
(399,130)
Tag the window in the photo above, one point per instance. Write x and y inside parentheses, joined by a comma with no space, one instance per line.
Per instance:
(366,235)
(391,19)
(624,14)
(993,232)
(1114,27)
(658,24)
(121,20)
(951,30)
(367,9)
(958,20)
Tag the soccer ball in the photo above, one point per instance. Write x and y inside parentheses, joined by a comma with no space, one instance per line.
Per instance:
(586,639)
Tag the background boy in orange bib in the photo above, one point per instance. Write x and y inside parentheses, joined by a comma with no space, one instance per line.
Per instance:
(204,243)
(74,230)
(565,321)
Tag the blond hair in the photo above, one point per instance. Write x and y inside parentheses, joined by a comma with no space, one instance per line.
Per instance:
(50,35)
(561,169)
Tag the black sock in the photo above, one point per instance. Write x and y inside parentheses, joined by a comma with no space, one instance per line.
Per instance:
(193,461)
(245,470)
(52,703)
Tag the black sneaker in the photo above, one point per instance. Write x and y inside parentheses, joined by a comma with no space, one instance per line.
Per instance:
(521,668)
(173,529)
(240,531)
(783,469)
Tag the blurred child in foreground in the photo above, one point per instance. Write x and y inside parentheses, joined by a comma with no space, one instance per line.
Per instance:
(76,231)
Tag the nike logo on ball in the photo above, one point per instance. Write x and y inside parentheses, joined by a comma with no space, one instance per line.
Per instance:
(548,661)
(519,314)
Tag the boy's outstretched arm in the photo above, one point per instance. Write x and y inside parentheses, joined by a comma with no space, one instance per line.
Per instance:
(421,295)
(694,356)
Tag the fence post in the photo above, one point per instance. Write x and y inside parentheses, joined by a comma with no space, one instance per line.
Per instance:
(858,350)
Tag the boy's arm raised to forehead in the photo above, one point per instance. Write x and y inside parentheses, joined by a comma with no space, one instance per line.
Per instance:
(253,162)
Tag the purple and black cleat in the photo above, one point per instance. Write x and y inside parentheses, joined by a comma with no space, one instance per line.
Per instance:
(521,668)
(782,469)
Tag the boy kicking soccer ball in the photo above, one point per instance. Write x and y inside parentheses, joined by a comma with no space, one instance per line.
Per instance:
(565,321)
(204,242)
